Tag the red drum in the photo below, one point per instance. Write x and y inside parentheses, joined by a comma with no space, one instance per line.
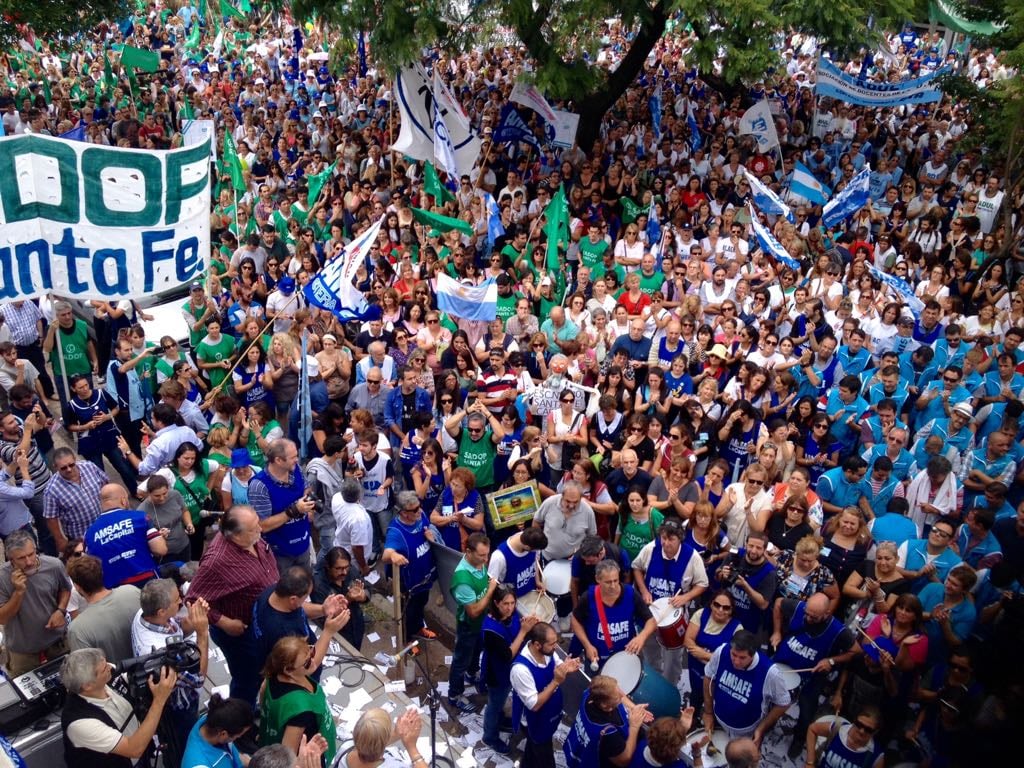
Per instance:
(671,623)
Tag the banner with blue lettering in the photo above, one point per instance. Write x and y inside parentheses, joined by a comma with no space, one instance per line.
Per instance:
(97,222)
(832,81)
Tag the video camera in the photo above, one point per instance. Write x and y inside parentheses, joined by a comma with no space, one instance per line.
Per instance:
(181,656)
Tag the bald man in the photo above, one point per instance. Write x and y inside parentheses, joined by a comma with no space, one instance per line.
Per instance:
(742,753)
(124,540)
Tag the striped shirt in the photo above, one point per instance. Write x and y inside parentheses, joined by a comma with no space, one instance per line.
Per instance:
(76,505)
(231,578)
(38,472)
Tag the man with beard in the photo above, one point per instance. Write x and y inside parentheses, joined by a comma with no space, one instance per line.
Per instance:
(751,580)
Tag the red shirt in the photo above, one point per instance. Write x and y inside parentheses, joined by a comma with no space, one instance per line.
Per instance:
(231,578)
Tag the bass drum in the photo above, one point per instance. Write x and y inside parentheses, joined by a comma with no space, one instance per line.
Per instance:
(643,684)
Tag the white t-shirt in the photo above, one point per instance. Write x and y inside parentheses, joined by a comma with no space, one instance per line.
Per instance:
(91,733)
(353,526)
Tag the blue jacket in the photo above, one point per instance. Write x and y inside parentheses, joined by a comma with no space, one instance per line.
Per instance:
(393,406)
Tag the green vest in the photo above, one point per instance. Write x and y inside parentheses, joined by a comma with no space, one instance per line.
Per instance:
(194,337)
(255,452)
(275,714)
(75,350)
(651,285)
(463,575)
(194,494)
(213,353)
(592,253)
(478,457)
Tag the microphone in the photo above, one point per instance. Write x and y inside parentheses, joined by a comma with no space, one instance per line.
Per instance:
(392,659)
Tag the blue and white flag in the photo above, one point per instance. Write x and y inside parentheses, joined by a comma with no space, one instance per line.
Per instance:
(332,287)
(654,105)
(831,81)
(495,228)
(767,200)
(512,128)
(469,302)
(653,229)
(444,150)
(850,200)
(75,134)
(361,48)
(901,287)
(696,140)
(305,433)
(759,122)
(806,184)
(766,240)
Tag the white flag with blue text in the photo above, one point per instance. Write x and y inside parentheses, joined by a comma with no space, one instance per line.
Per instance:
(901,287)
(850,200)
(332,288)
(759,122)
(444,150)
(767,200)
(766,240)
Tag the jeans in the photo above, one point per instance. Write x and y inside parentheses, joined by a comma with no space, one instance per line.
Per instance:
(538,755)
(496,698)
(240,655)
(465,657)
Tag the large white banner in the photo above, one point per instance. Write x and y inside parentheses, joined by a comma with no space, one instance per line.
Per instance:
(832,81)
(197,131)
(98,222)
(415,95)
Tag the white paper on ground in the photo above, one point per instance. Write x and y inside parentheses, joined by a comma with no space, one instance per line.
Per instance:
(331,685)
(448,660)
(395,686)
(359,698)
(372,577)
(373,637)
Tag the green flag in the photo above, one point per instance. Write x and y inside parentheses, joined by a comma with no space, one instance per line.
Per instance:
(137,58)
(432,184)
(441,223)
(203,10)
(133,85)
(46,90)
(227,9)
(316,181)
(186,109)
(108,74)
(232,164)
(244,6)
(630,210)
(194,38)
(556,227)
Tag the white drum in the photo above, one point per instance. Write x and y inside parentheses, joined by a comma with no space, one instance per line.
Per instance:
(790,678)
(715,758)
(537,604)
(557,576)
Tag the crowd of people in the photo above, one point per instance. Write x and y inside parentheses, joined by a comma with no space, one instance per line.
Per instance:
(817,466)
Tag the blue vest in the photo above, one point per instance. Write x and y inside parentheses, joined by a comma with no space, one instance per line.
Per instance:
(126,389)
(749,615)
(838,755)
(802,649)
(450,535)
(665,577)
(917,550)
(520,570)
(738,693)
(258,393)
(895,528)
(582,745)
(640,759)
(292,538)
(620,622)
(118,539)
(710,643)
(542,724)
(493,668)
(420,573)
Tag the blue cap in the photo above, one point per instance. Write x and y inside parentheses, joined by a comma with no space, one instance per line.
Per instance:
(240,458)
(286,285)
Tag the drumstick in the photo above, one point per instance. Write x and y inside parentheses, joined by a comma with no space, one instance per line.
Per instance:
(562,656)
(870,639)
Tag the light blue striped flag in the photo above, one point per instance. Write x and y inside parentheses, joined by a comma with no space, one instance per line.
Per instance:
(495,228)
(850,200)
(767,200)
(806,184)
(770,245)
(901,287)
(332,287)
(469,302)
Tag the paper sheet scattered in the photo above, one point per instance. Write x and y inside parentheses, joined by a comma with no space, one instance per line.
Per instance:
(395,686)
(358,699)
(372,577)
(331,685)
(373,637)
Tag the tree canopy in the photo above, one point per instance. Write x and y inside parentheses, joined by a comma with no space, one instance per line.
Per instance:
(563,38)
(52,20)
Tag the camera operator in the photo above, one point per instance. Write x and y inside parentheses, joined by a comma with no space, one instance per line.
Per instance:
(99,725)
(751,580)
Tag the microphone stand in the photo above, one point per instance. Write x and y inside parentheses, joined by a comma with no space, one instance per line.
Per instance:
(434,703)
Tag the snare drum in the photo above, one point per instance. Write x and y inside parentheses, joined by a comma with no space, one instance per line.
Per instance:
(671,623)
(557,575)
(643,684)
(718,741)
(537,604)
(791,679)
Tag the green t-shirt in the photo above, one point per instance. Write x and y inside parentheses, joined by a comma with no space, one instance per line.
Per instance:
(75,345)
(478,457)
(210,352)
(507,306)
(465,575)
(651,285)
(275,714)
(599,271)
(592,253)
(635,535)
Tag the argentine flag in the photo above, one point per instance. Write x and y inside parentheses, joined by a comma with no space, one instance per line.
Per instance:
(470,302)
(495,228)
(854,197)
(806,184)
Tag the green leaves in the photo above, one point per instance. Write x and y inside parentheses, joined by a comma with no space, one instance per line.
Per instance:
(56,20)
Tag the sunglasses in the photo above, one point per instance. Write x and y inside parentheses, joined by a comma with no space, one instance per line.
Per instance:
(868,729)
(820,426)
(722,606)
(755,482)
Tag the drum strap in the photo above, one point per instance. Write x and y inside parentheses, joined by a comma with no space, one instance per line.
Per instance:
(603,617)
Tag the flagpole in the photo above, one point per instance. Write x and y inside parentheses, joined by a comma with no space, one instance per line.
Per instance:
(483,165)
(391,132)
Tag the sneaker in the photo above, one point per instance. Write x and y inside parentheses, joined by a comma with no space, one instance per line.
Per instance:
(499,746)
(429,634)
(563,624)
(462,704)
